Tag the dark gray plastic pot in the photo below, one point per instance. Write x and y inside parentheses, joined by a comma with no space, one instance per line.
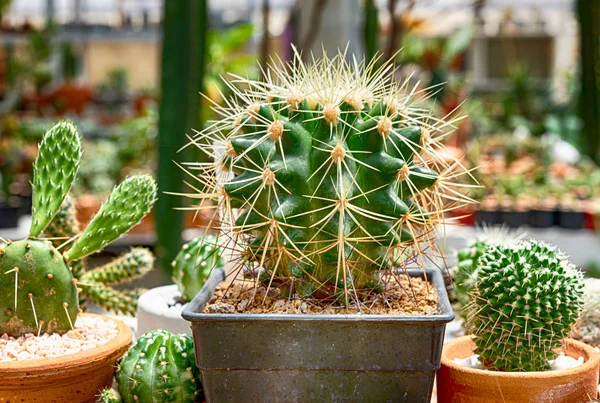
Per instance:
(317,358)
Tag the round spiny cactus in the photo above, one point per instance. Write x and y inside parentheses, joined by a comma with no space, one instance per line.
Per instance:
(194,263)
(160,367)
(38,292)
(324,170)
(464,273)
(527,297)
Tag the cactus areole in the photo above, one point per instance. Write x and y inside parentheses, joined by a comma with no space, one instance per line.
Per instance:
(325,171)
(38,290)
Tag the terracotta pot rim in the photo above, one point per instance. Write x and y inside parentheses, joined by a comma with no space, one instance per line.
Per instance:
(592,362)
(82,359)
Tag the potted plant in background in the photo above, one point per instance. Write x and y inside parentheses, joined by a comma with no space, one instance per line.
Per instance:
(47,345)
(526,299)
(329,182)
(161,307)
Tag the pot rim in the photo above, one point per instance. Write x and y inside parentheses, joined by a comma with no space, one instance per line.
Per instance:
(593,361)
(87,358)
(193,311)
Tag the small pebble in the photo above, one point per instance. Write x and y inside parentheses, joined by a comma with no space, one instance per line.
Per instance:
(89,332)
(220,307)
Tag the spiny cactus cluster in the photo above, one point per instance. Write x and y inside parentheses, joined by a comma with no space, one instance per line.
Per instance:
(194,263)
(38,291)
(160,367)
(97,284)
(527,297)
(325,170)
(109,396)
(465,271)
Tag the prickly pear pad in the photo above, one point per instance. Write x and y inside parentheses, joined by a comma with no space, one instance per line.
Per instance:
(39,289)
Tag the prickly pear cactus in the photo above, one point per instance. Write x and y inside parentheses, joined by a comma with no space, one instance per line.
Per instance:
(54,172)
(526,299)
(128,203)
(38,291)
(324,170)
(160,367)
(194,263)
(37,288)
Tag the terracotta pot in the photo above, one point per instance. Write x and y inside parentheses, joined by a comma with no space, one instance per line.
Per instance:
(74,378)
(459,384)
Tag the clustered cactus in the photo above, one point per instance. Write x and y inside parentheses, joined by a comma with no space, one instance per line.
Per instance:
(323,172)
(194,263)
(526,299)
(38,289)
(160,367)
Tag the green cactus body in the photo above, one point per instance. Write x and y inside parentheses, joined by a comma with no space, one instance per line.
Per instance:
(134,264)
(465,272)
(332,169)
(526,299)
(109,396)
(126,206)
(37,288)
(54,170)
(194,263)
(160,367)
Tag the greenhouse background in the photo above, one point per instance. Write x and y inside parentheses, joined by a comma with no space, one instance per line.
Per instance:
(517,83)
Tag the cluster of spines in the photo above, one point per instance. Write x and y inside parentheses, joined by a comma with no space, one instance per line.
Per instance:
(194,264)
(38,291)
(160,367)
(526,299)
(332,169)
(588,326)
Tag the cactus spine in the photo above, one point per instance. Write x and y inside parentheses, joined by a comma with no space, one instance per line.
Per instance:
(194,263)
(160,367)
(332,168)
(527,297)
(38,291)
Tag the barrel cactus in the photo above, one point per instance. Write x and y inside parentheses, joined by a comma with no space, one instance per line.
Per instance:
(109,396)
(526,299)
(324,171)
(160,367)
(194,263)
(38,291)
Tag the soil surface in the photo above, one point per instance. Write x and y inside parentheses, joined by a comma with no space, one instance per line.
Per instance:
(402,296)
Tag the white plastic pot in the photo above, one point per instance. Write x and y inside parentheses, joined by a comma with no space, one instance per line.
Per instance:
(155,311)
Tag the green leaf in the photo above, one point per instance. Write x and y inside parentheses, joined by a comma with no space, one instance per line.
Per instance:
(235,37)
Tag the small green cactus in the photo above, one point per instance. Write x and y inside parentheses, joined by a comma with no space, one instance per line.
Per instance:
(465,271)
(526,299)
(324,171)
(109,396)
(38,290)
(194,263)
(160,367)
